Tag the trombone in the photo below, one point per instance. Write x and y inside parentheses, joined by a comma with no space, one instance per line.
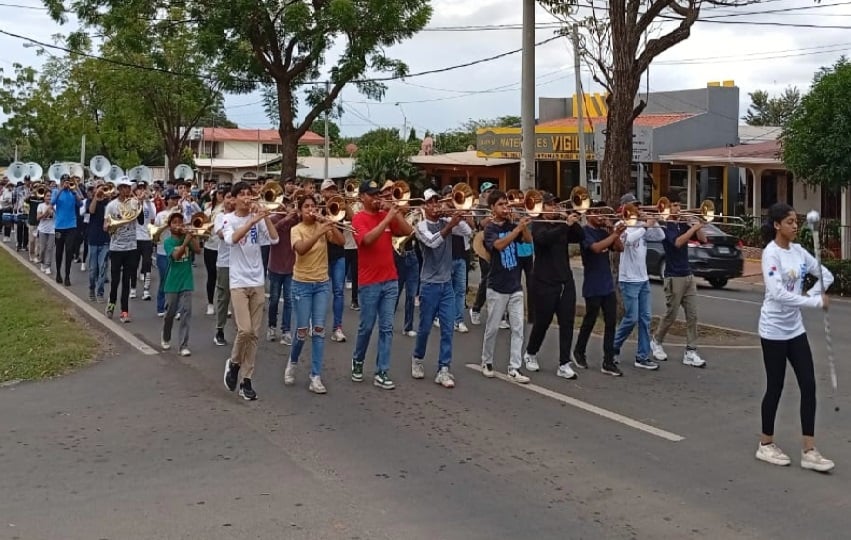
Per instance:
(351,189)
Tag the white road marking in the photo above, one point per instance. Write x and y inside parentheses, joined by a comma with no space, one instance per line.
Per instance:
(731,299)
(579,404)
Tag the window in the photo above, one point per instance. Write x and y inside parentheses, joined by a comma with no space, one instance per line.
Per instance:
(271,148)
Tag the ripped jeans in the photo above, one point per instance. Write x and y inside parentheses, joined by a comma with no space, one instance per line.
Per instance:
(311,308)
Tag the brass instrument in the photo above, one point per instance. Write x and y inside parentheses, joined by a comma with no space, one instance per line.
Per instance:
(515,197)
(108,190)
(351,189)
(334,210)
(463,197)
(200,224)
(130,211)
(40,191)
(399,242)
(579,200)
(72,185)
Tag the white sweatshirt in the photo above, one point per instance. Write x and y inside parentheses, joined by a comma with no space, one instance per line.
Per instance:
(783,272)
(633,266)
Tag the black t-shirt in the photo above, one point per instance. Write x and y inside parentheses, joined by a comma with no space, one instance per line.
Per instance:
(458,248)
(32,218)
(505,270)
(96,235)
(598,273)
(552,265)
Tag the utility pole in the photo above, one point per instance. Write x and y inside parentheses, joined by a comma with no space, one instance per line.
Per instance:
(327,144)
(580,113)
(527,99)
(83,150)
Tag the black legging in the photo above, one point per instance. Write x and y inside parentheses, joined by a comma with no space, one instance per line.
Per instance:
(80,241)
(23,232)
(553,299)
(122,265)
(64,246)
(352,271)
(593,304)
(774,356)
(210,256)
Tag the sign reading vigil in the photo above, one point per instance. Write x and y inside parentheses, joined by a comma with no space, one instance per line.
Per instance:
(555,144)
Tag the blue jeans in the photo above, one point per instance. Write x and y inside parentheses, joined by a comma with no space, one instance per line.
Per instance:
(408,268)
(337,273)
(377,300)
(311,307)
(636,306)
(280,284)
(436,300)
(97,267)
(459,287)
(162,270)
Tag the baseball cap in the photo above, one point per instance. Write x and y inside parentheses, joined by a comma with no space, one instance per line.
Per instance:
(171,194)
(123,181)
(628,198)
(369,187)
(328,184)
(549,198)
(486,186)
(430,194)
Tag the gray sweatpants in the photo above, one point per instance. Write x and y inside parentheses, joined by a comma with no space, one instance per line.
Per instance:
(680,291)
(222,296)
(178,301)
(497,304)
(46,247)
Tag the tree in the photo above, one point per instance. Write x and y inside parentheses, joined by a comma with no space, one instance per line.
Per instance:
(617,46)
(815,139)
(318,127)
(378,137)
(389,160)
(772,111)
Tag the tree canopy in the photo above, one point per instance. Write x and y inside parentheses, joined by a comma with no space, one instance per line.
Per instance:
(772,111)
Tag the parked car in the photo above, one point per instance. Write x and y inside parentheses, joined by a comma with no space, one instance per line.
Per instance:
(717,260)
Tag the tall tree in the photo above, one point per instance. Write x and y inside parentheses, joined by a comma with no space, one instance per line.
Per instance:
(618,45)
(772,111)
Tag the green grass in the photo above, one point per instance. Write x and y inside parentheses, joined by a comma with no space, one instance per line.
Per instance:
(40,336)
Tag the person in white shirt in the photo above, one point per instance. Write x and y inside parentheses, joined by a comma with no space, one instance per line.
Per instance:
(635,285)
(123,251)
(244,231)
(785,268)
(222,296)
(46,233)
(144,243)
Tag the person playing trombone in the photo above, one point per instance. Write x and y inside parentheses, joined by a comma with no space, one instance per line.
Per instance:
(179,282)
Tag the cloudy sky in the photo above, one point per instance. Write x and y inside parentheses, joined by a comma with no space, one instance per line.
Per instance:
(767,56)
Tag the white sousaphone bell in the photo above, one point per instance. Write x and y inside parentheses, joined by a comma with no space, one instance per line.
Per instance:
(16,172)
(34,171)
(99,166)
(76,171)
(115,172)
(140,174)
(184,172)
(56,171)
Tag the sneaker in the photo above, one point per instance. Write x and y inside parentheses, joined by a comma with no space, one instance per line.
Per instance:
(101,299)
(657,350)
(382,380)
(185,352)
(231,375)
(531,362)
(646,363)
(177,317)
(316,385)
(417,370)
(211,310)
(416,301)
(355,306)
(59,278)
(461,328)
(338,335)
(487,371)
(124,317)
(83,267)
(289,372)
(47,271)
(691,358)
(436,323)
(609,367)
(475,317)
(271,334)
(286,338)
(146,295)
(514,375)
(503,325)
(410,333)
(110,309)
(160,314)
(91,296)
(246,392)
(579,360)
(219,338)
(565,372)
(67,281)
(357,371)
(444,378)
(771,453)
(165,344)
(348,284)
(814,461)
(132,293)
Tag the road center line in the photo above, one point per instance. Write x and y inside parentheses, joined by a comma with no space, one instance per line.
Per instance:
(739,300)
(579,404)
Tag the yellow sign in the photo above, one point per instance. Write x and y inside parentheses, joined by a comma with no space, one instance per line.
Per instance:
(555,144)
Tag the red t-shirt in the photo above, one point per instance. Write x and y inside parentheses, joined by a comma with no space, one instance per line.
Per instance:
(375,262)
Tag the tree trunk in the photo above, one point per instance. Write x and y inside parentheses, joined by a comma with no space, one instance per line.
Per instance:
(289,152)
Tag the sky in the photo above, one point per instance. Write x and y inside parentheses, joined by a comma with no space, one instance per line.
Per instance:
(756,57)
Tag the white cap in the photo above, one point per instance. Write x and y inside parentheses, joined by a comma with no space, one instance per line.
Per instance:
(123,181)
(430,194)
(327,183)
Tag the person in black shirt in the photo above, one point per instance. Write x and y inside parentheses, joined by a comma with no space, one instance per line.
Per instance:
(553,287)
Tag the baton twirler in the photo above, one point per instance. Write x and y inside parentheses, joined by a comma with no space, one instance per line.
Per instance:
(813,219)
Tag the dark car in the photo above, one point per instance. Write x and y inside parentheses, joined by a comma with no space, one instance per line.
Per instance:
(717,260)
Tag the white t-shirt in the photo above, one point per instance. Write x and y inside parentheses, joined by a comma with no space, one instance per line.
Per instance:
(149,211)
(223,255)
(246,260)
(123,239)
(783,272)
(213,241)
(162,219)
(633,266)
(46,225)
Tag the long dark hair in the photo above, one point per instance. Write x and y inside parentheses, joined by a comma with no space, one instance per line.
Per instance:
(776,214)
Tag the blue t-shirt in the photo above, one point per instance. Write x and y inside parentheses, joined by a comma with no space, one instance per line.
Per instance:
(66,205)
(96,235)
(597,280)
(505,270)
(676,259)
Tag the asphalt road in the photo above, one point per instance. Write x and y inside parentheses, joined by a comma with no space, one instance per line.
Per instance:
(143,446)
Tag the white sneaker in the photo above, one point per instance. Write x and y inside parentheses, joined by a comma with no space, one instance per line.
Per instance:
(515,376)
(165,344)
(161,314)
(691,358)
(211,310)
(348,284)
(770,453)
(410,333)
(657,350)
(177,317)
(289,373)
(444,378)
(475,317)
(83,267)
(338,335)
(146,294)
(417,370)
(503,324)
(271,334)
(287,339)
(47,271)
(461,328)
(436,323)
(566,372)
(185,352)
(531,362)
(132,293)
(316,385)
(417,301)
(814,461)
(487,371)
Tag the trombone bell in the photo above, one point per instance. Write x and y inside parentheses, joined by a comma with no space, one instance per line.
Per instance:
(462,196)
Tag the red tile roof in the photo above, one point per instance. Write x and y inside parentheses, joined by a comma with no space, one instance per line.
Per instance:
(763,150)
(646,120)
(267,136)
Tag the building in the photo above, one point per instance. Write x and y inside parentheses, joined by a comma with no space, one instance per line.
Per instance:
(468,167)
